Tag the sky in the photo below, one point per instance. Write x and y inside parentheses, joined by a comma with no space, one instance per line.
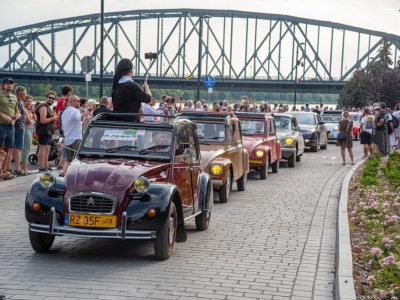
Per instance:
(379,15)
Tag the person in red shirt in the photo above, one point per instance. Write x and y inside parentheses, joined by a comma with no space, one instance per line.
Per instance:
(66,91)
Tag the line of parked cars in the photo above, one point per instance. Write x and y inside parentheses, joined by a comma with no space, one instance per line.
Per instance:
(332,119)
(136,180)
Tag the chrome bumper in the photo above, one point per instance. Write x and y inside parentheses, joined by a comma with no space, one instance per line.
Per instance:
(217,183)
(287,152)
(56,229)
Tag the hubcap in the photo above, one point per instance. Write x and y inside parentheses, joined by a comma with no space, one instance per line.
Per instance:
(228,183)
(171,230)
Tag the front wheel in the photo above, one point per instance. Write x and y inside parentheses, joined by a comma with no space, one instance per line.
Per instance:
(316,147)
(264,170)
(203,220)
(291,160)
(241,182)
(356,137)
(298,158)
(41,242)
(165,241)
(275,166)
(225,189)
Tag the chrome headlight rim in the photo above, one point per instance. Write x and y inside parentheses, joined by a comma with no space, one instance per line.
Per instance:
(212,170)
(142,184)
(47,179)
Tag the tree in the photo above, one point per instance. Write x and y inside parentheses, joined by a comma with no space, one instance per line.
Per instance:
(354,91)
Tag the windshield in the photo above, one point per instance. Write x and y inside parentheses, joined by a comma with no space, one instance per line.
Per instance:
(306,119)
(210,131)
(283,123)
(331,118)
(354,118)
(128,140)
(252,127)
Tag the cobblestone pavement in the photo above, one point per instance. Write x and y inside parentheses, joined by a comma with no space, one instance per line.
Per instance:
(276,240)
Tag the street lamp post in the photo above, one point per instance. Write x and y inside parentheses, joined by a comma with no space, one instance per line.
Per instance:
(200,52)
(295,79)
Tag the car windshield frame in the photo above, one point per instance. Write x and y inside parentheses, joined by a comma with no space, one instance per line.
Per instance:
(284,126)
(135,138)
(300,117)
(213,134)
(331,117)
(251,129)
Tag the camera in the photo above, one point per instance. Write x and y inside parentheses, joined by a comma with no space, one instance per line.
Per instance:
(150,55)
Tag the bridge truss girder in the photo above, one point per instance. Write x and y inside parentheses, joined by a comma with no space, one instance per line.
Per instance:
(239,48)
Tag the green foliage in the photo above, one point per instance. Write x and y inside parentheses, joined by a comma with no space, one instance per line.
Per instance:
(391,170)
(35,142)
(370,171)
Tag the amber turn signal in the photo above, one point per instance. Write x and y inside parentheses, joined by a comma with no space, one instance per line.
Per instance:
(36,206)
(151,212)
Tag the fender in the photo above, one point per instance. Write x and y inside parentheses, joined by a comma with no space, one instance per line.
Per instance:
(226,164)
(245,159)
(159,197)
(47,198)
(265,148)
(206,200)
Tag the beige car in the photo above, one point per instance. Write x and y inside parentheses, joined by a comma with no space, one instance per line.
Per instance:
(223,155)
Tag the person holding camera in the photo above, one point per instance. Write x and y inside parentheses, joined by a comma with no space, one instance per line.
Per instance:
(127,96)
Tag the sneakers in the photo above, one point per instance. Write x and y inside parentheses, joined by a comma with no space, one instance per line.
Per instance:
(19,173)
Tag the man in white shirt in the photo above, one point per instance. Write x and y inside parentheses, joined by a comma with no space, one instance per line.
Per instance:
(72,128)
(366,127)
(148,109)
(199,106)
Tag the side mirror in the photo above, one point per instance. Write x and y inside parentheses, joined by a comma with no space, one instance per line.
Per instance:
(188,157)
(297,128)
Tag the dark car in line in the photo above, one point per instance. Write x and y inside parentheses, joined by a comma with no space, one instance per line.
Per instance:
(313,130)
(130,180)
(290,137)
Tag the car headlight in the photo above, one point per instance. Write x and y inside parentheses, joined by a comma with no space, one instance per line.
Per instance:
(47,180)
(259,153)
(311,130)
(289,141)
(142,184)
(336,128)
(216,169)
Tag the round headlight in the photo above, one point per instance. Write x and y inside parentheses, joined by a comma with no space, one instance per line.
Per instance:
(289,141)
(47,179)
(259,153)
(336,128)
(142,184)
(216,169)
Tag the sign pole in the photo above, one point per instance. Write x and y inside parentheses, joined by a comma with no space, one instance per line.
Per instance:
(87,88)
(209,83)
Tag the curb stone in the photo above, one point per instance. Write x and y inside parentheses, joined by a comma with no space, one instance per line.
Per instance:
(344,284)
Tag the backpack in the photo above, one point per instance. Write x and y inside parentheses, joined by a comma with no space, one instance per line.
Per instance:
(395,122)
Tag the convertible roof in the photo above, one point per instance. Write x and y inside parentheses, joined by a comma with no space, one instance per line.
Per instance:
(118,119)
(206,116)
(253,115)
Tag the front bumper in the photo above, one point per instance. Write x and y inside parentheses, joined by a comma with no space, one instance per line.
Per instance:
(310,140)
(256,163)
(332,135)
(56,229)
(288,152)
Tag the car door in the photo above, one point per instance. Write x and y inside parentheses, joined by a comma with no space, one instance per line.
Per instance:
(182,171)
(298,136)
(195,167)
(233,149)
(272,140)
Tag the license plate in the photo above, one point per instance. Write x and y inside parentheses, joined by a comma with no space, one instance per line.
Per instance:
(83,220)
(329,136)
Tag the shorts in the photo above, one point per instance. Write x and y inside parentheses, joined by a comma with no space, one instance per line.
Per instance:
(19,136)
(366,138)
(7,135)
(45,139)
(72,149)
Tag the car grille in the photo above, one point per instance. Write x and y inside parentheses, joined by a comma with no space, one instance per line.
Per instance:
(92,203)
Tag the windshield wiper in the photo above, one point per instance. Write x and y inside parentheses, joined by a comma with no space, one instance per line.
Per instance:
(157,147)
(112,150)
(214,138)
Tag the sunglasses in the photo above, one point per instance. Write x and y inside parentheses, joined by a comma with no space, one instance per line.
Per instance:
(51,98)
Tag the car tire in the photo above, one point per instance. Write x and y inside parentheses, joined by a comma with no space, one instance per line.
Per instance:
(33,159)
(356,137)
(165,241)
(41,242)
(291,160)
(315,148)
(264,170)
(325,146)
(298,158)
(275,166)
(241,182)
(225,190)
(203,220)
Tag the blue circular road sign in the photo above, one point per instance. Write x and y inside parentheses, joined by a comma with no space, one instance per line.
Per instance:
(209,82)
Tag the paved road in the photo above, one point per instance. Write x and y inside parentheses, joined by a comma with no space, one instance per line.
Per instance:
(276,240)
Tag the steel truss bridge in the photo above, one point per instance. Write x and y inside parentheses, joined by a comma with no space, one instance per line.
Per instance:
(242,50)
